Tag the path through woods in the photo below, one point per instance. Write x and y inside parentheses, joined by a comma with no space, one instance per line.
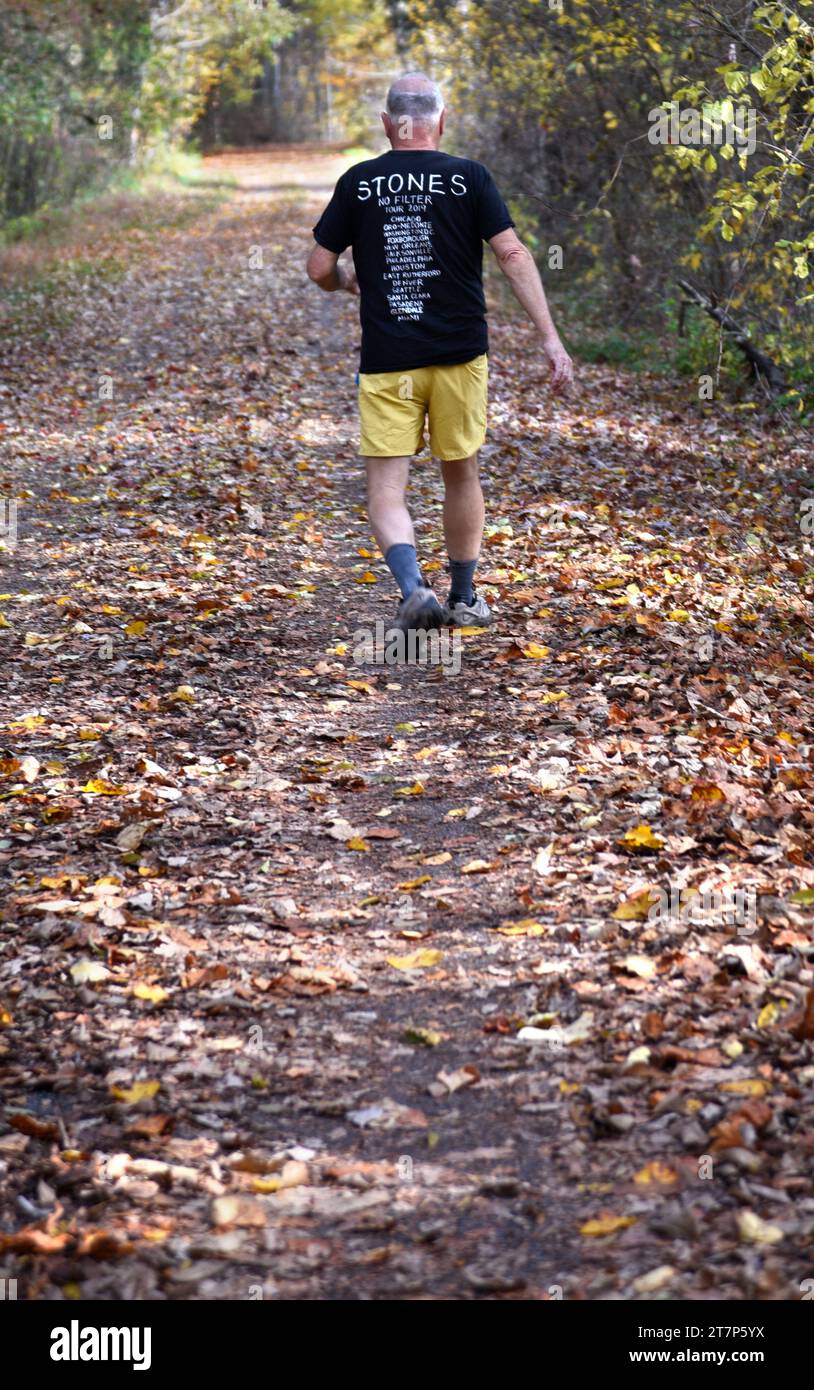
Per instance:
(274,921)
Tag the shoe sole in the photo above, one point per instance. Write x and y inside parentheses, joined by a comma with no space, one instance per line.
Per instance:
(421,612)
(460,620)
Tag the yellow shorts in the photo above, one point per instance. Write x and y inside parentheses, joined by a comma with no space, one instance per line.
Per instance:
(392,407)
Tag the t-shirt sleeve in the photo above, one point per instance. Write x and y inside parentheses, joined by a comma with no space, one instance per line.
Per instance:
(333,230)
(493,215)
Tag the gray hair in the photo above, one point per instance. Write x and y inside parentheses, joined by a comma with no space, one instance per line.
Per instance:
(417,96)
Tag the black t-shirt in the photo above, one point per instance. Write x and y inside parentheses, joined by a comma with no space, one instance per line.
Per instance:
(416,220)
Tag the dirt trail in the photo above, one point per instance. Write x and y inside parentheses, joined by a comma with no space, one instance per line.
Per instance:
(223,838)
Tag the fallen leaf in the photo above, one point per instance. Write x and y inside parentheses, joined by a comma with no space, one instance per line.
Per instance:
(606,1225)
(154,994)
(416,960)
(140,1090)
(89,972)
(755,1230)
(642,837)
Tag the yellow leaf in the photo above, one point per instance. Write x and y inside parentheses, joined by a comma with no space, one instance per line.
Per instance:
(527,927)
(416,960)
(768,1015)
(99,786)
(536,652)
(294,1174)
(415,883)
(184,693)
(710,795)
(642,966)
(642,838)
(4,622)
(425,1037)
(154,994)
(89,972)
(140,1090)
(136,628)
(552,696)
(656,1172)
(606,1225)
(754,1229)
(357,843)
(747,1087)
(637,908)
(87,734)
(416,789)
(367,578)
(678,615)
(477,866)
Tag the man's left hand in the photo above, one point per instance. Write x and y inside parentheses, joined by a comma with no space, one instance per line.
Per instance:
(562,368)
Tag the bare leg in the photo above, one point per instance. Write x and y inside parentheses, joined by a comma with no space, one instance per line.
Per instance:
(389,518)
(463,508)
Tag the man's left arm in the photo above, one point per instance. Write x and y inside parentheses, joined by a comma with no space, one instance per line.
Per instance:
(520,269)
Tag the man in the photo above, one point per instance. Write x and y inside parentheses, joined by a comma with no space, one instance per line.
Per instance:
(416,220)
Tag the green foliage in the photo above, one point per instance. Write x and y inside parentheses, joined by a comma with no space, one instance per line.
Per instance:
(563,104)
(85,87)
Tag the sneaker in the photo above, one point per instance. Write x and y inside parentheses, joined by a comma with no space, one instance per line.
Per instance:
(474,614)
(420,611)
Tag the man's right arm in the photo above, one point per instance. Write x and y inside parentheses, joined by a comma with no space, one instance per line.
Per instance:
(520,269)
(333,234)
(323,268)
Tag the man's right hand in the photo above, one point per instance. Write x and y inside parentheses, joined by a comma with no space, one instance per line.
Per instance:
(347,279)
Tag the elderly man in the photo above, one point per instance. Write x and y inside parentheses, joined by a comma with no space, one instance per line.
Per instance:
(416,220)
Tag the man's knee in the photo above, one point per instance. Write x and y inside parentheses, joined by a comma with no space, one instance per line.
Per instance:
(457,471)
(386,484)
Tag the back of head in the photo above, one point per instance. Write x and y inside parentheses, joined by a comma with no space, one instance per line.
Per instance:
(415,109)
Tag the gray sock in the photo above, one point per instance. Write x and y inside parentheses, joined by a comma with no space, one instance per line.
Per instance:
(462,572)
(402,562)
